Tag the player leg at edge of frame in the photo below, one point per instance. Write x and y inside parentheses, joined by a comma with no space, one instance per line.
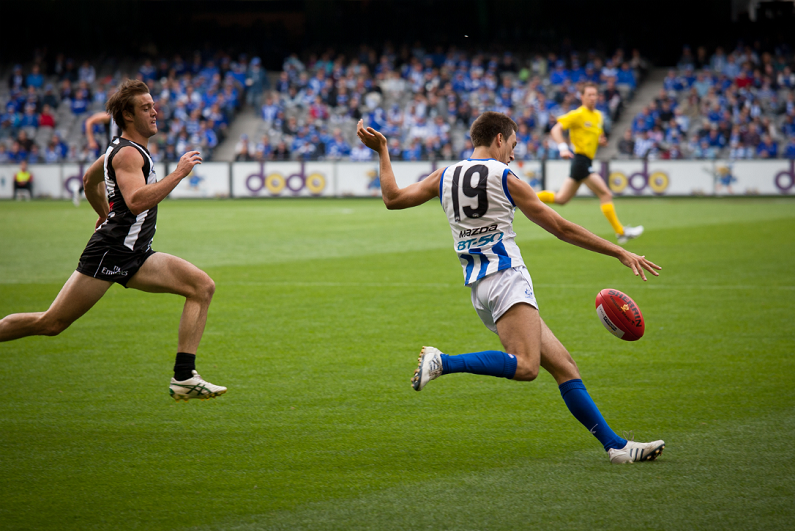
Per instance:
(513,328)
(164,273)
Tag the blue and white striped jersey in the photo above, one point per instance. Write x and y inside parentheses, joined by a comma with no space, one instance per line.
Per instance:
(474,195)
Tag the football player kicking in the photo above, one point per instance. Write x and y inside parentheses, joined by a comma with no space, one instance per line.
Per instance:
(479,196)
(120,250)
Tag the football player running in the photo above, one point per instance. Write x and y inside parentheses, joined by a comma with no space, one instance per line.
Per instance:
(479,196)
(124,190)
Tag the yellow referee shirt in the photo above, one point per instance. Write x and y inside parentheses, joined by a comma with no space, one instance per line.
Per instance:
(585,128)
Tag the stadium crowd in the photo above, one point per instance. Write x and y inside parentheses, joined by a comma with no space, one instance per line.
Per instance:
(424,101)
(45,107)
(739,105)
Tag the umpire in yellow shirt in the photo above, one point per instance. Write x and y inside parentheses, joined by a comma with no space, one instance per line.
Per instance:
(586,133)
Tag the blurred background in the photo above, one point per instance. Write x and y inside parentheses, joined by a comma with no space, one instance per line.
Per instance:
(287,80)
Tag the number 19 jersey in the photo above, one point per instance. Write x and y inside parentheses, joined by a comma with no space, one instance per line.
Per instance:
(474,195)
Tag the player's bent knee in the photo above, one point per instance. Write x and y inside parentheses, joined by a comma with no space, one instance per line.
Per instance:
(526,372)
(53,327)
(204,288)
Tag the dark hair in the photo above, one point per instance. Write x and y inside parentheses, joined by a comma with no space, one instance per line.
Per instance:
(124,99)
(488,126)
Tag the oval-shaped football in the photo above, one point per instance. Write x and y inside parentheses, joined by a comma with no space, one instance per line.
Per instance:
(620,315)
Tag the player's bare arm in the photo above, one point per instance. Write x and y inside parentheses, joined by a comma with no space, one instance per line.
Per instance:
(97,118)
(94,185)
(137,194)
(603,140)
(557,135)
(396,198)
(540,214)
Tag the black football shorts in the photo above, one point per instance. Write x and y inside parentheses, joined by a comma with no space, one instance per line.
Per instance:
(581,167)
(111,263)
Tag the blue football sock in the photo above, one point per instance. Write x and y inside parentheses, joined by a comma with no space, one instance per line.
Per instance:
(490,363)
(583,408)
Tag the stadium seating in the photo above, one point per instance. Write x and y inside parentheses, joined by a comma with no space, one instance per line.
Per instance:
(739,105)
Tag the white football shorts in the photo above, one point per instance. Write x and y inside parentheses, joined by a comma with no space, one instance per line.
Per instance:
(495,294)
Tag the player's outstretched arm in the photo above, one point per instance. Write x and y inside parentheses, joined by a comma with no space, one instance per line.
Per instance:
(94,185)
(540,214)
(394,196)
(137,194)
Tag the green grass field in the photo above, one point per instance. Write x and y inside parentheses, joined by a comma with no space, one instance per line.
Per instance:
(320,311)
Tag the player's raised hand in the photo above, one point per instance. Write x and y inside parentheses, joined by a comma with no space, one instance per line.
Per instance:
(187,162)
(370,137)
(638,263)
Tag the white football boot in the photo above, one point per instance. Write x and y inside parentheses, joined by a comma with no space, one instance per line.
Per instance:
(194,387)
(630,233)
(429,367)
(636,451)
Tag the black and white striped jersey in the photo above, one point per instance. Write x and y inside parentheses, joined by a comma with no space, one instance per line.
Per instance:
(123,228)
(112,130)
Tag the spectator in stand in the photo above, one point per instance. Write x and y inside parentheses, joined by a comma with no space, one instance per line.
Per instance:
(626,77)
(25,142)
(69,73)
(281,152)
(361,153)
(242,151)
(789,149)
(51,155)
(35,79)
(704,151)
(767,148)
(256,82)
(29,117)
(715,139)
(395,150)
(80,101)
(46,118)
(264,148)
(171,153)
(414,151)
(4,158)
(87,73)
(35,156)
(643,145)
(16,81)
(626,146)
(49,97)
(718,61)
(337,148)
(58,144)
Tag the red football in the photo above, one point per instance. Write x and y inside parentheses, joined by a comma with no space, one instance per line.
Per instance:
(620,315)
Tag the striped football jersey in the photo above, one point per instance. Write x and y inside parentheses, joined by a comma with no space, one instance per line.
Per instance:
(122,227)
(474,195)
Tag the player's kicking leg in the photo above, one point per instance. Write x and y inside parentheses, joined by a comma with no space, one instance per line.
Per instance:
(556,360)
(164,273)
(523,332)
(623,233)
(76,297)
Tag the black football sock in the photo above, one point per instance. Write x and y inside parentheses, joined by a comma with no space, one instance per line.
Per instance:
(184,366)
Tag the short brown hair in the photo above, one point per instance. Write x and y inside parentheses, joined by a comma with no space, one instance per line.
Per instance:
(124,99)
(589,84)
(489,125)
